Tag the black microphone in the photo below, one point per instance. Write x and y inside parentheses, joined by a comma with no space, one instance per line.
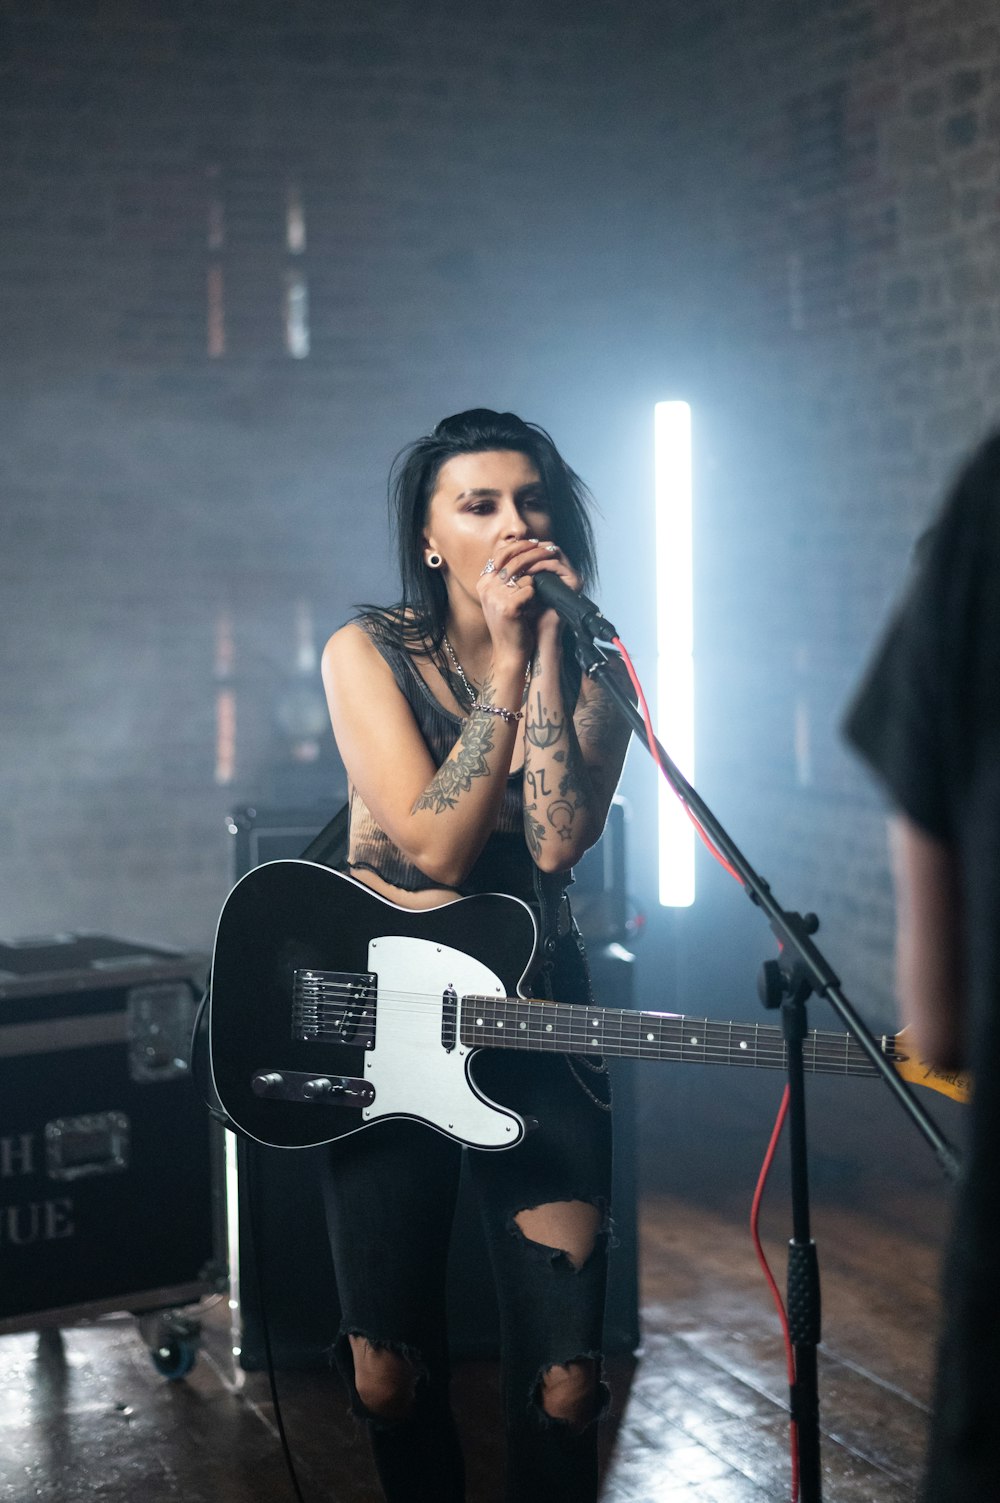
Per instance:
(580,613)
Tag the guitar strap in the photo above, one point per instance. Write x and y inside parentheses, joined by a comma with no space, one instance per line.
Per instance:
(329,847)
(553,904)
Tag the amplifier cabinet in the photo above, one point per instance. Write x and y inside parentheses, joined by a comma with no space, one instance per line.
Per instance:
(106,1196)
(288,1277)
(598,894)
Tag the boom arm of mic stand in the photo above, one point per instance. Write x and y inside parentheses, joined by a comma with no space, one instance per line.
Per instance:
(787,927)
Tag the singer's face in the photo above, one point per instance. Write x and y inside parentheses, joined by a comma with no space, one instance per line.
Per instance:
(480,502)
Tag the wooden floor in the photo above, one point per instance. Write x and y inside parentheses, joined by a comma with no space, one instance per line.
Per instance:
(699,1414)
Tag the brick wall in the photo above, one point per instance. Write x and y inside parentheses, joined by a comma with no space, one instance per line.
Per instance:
(168,463)
(787,213)
(848,156)
(854,151)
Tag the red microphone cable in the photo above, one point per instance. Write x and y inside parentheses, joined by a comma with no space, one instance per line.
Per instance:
(654,749)
(783,1108)
(765,1169)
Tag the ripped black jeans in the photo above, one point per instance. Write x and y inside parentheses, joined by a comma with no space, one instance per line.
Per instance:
(390,1197)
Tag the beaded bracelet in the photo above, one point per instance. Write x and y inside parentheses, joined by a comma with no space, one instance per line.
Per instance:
(510,716)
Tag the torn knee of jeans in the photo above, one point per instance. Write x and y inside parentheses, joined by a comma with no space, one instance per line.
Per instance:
(386,1375)
(532,1219)
(573,1394)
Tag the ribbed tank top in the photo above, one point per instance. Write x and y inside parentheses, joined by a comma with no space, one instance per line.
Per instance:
(505,864)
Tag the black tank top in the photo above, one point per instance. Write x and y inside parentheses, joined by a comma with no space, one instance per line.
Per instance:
(505,864)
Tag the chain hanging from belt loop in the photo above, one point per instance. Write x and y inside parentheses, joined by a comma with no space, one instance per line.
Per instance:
(571,1063)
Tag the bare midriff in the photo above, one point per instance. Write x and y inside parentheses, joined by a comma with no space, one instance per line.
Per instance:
(429,897)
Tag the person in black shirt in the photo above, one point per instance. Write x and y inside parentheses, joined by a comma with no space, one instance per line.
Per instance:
(927,719)
(479,761)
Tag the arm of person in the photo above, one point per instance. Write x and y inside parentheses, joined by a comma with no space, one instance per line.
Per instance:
(572,761)
(440,817)
(929,949)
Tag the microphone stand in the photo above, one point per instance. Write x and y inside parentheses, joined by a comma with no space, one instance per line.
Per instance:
(800,969)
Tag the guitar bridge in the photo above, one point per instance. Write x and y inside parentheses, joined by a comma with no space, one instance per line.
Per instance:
(334,1007)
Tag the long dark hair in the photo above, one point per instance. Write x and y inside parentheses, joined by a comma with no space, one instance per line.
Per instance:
(421,612)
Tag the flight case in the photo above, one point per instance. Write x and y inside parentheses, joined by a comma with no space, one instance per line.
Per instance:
(106,1178)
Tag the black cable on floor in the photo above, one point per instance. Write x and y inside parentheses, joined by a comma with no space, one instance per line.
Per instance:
(255,1252)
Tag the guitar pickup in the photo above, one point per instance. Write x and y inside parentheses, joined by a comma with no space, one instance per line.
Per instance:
(307,1087)
(449,1019)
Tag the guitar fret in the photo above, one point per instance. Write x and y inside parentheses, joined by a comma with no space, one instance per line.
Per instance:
(693,1046)
(570,1028)
(740,1049)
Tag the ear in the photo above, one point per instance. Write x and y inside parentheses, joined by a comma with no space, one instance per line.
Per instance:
(429,548)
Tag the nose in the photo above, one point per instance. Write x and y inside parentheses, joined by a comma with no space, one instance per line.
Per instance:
(512,523)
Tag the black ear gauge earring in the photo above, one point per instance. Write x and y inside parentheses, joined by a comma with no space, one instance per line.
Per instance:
(434,560)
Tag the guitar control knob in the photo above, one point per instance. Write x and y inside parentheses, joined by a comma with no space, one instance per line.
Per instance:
(267,1084)
(320,1086)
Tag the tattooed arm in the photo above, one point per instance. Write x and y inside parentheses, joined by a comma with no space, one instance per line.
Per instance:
(440,817)
(572,762)
(603,735)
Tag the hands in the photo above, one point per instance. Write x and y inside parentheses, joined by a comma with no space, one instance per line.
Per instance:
(508,598)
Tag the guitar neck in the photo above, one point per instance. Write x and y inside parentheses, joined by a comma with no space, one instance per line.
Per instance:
(568,1028)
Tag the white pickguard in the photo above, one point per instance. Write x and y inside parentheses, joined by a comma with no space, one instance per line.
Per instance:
(412,1072)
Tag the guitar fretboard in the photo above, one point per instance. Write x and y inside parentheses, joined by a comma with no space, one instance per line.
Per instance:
(512,1023)
(337,1008)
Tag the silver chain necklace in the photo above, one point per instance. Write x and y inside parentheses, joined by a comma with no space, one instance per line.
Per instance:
(470,691)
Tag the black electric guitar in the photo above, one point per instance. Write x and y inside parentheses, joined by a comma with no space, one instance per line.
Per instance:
(332,1008)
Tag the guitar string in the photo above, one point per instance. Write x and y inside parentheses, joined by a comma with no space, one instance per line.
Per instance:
(654,1049)
(355,990)
(306,997)
(434,1000)
(548,1043)
(830,1052)
(629,1033)
(741,1048)
(588,1020)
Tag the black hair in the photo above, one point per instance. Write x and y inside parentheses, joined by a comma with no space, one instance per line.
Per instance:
(420,614)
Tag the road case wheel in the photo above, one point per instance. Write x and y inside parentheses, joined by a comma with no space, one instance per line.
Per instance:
(174,1357)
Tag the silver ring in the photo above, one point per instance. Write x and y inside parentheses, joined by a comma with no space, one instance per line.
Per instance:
(513,581)
(488,568)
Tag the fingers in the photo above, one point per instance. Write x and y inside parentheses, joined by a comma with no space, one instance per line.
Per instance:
(513,554)
(518,560)
(553,561)
(507,593)
(502,574)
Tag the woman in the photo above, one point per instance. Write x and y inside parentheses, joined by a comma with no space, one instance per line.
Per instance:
(479,761)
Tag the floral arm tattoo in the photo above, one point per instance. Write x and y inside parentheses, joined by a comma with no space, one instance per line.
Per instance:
(455,776)
(466,762)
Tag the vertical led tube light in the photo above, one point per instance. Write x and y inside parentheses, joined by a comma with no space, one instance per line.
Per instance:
(674,642)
